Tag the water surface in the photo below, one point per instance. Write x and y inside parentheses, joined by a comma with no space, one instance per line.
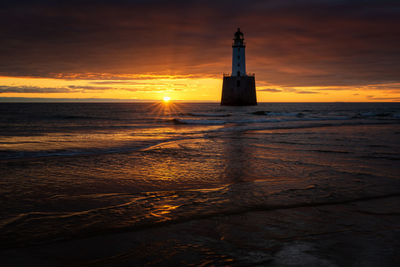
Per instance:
(73,170)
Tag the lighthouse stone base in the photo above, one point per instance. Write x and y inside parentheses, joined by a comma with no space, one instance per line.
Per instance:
(239,91)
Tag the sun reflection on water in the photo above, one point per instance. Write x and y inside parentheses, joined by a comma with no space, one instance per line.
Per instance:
(163,210)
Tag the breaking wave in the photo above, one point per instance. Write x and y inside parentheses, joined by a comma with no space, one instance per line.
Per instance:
(209,114)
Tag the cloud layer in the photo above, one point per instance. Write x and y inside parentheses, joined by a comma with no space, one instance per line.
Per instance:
(289,43)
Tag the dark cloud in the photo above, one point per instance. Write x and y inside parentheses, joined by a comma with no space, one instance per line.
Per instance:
(41,100)
(287,89)
(33,89)
(117,82)
(306,92)
(371,97)
(36,89)
(77,87)
(289,43)
(271,90)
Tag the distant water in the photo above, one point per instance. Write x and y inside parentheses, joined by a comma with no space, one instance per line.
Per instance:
(73,170)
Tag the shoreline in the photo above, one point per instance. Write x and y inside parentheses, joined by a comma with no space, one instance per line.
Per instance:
(362,233)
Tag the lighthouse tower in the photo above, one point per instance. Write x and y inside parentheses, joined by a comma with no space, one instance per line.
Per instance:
(238,88)
(238,55)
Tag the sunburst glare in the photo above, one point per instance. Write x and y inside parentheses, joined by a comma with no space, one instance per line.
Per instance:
(165,108)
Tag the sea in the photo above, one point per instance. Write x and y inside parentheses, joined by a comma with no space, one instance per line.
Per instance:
(74,170)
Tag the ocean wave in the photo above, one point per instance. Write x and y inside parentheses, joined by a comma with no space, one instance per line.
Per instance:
(314,124)
(386,156)
(330,151)
(284,114)
(209,114)
(250,120)
(126,148)
(346,115)
(15,154)
(278,114)
(373,114)
(199,122)
(293,117)
(76,117)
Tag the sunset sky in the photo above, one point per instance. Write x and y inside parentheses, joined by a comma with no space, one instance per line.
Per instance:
(304,50)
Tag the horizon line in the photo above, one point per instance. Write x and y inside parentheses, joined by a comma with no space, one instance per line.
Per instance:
(116,100)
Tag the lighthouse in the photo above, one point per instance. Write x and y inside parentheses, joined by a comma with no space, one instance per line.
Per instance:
(238,88)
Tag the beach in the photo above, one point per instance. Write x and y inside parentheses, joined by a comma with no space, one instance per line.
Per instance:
(359,233)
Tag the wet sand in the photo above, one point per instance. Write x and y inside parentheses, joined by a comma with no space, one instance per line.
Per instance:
(358,233)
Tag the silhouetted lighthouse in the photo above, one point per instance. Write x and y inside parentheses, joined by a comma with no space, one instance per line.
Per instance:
(239,88)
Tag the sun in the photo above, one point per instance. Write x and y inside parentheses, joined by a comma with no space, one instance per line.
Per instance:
(166,98)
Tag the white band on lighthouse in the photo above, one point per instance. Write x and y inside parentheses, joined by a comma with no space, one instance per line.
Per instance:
(238,55)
